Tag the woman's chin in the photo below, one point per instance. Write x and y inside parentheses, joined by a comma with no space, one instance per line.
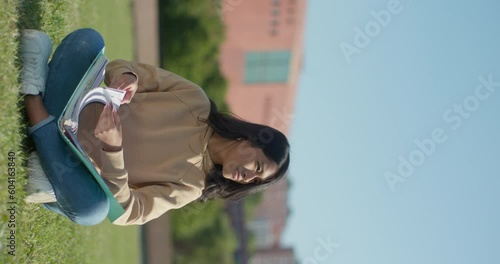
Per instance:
(227,176)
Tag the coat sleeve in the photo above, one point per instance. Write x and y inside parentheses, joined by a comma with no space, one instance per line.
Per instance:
(150,78)
(146,203)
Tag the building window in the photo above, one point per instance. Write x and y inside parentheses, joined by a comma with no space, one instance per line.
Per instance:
(276,12)
(276,2)
(267,67)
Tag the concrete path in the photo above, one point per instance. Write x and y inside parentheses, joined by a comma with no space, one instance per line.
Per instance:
(156,235)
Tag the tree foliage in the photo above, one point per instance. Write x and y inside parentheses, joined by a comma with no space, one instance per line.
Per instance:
(202,233)
(190,35)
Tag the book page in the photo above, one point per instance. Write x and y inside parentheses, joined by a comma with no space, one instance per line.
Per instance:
(103,95)
(96,95)
(84,94)
(92,78)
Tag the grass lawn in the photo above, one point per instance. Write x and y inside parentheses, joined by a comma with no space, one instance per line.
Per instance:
(42,236)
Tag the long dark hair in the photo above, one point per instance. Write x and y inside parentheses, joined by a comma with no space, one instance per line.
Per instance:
(271,141)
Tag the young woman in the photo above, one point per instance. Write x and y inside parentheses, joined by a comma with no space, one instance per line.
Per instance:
(165,147)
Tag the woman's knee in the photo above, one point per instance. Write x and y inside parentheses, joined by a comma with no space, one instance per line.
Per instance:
(92,214)
(84,42)
(86,36)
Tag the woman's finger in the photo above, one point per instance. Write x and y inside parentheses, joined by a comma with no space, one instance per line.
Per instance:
(127,98)
(117,83)
(106,115)
(118,123)
(122,85)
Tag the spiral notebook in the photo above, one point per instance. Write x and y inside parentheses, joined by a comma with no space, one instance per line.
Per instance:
(88,91)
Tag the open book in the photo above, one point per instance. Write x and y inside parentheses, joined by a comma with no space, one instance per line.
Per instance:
(85,93)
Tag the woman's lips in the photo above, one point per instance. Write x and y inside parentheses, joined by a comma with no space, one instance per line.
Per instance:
(236,175)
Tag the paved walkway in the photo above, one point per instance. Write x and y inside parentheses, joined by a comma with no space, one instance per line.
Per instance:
(147,39)
(156,234)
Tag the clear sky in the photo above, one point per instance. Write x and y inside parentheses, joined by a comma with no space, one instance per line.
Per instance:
(431,75)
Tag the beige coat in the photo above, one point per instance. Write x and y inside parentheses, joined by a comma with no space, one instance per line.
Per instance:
(164,160)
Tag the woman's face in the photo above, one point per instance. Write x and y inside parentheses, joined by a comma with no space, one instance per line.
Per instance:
(247,164)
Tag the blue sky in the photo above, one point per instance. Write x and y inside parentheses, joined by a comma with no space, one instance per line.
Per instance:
(354,122)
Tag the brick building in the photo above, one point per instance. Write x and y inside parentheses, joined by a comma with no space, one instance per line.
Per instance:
(261,58)
(274,256)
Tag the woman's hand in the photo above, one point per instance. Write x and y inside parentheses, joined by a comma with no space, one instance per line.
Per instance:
(126,82)
(109,129)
